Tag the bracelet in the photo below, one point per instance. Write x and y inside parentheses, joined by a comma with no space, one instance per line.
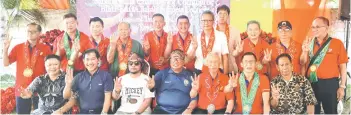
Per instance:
(342,86)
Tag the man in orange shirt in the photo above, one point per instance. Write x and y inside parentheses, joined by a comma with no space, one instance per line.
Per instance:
(254,43)
(210,85)
(326,58)
(98,41)
(285,44)
(251,88)
(70,45)
(233,34)
(154,44)
(30,64)
(182,40)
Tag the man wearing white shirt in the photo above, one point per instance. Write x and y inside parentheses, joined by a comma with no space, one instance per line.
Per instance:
(133,88)
(210,40)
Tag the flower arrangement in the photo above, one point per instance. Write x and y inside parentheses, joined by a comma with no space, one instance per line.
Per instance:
(264,35)
(49,37)
(8,100)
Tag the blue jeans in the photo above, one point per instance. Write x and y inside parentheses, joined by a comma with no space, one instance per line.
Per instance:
(24,106)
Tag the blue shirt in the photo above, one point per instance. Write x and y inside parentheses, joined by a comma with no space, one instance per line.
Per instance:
(172,90)
(90,89)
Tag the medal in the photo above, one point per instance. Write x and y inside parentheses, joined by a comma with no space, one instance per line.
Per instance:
(28,72)
(186,82)
(70,63)
(246,108)
(313,68)
(211,108)
(123,66)
(259,66)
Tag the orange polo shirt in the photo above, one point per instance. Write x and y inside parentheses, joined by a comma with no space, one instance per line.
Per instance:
(157,49)
(207,88)
(294,50)
(336,55)
(257,50)
(183,44)
(84,45)
(257,105)
(17,54)
(102,48)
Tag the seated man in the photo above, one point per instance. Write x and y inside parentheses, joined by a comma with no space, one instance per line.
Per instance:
(173,86)
(48,86)
(210,85)
(291,92)
(133,88)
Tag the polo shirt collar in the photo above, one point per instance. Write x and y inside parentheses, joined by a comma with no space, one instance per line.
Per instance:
(172,72)
(88,73)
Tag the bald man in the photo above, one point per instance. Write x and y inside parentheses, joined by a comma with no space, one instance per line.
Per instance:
(121,46)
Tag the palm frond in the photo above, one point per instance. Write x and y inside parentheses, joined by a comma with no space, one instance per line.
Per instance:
(33,16)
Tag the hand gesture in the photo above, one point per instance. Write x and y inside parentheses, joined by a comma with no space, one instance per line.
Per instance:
(306,44)
(195,82)
(267,55)
(275,92)
(118,85)
(170,38)
(239,47)
(25,93)
(114,38)
(57,112)
(340,93)
(194,41)
(69,75)
(151,82)
(7,42)
(233,79)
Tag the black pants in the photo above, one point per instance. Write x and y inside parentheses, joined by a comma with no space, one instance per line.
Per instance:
(325,91)
(158,110)
(203,111)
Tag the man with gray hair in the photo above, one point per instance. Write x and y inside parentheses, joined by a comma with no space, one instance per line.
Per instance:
(121,46)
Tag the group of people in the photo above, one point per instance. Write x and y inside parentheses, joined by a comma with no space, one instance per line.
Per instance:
(212,73)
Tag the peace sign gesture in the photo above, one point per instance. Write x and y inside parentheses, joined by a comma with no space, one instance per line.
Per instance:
(267,55)
(238,48)
(195,82)
(306,44)
(275,92)
(151,82)
(118,84)
(233,79)
(170,37)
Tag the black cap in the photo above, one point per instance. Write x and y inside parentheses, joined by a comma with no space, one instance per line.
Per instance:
(284,23)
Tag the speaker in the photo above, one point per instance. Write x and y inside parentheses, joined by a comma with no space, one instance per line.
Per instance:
(344,9)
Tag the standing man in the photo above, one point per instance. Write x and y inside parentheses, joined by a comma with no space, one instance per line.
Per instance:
(291,93)
(251,88)
(182,40)
(124,45)
(209,86)
(49,87)
(30,64)
(133,88)
(98,41)
(154,45)
(326,58)
(256,45)
(91,88)
(172,86)
(210,40)
(285,44)
(71,44)
(232,34)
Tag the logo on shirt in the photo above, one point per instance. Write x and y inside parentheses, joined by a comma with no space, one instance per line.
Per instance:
(330,50)
(100,84)
(167,81)
(186,82)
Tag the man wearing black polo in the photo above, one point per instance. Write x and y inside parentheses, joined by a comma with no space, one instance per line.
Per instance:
(92,87)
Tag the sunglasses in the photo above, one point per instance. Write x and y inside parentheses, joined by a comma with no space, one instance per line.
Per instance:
(131,63)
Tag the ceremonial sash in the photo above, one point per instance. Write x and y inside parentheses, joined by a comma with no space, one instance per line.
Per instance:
(206,48)
(226,31)
(123,55)
(66,43)
(30,60)
(186,42)
(247,100)
(316,59)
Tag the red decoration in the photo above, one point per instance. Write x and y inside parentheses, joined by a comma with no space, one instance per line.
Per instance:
(75,109)
(8,101)
(49,37)
(265,36)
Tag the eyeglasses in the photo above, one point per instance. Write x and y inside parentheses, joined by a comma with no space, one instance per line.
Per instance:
(317,27)
(131,63)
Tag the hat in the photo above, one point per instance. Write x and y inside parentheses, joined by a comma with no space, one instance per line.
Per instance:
(284,23)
